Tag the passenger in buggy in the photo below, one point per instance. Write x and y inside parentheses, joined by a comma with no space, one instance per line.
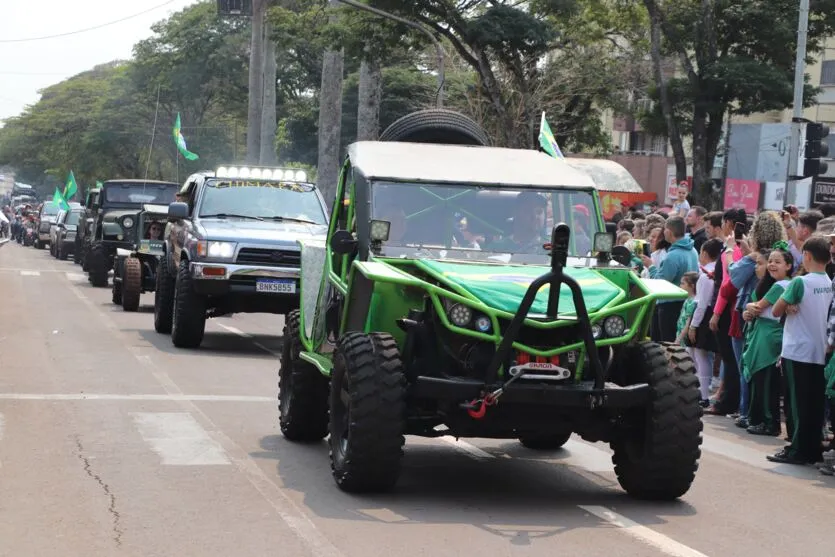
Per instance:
(154,231)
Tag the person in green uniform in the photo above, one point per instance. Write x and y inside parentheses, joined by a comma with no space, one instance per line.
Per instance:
(764,340)
(806,303)
(528,226)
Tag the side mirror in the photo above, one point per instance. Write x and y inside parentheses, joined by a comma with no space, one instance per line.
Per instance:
(343,242)
(178,210)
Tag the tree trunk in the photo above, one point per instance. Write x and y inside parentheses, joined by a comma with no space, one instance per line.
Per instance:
(673,133)
(369,95)
(256,83)
(268,120)
(700,189)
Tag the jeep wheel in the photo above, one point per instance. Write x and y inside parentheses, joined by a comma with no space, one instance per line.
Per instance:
(62,252)
(367,412)
(189,317)
(436,125)
(163,298)
(131,283)
(545,442)
(97,266)
(37,244)
(302,390)
(657,457)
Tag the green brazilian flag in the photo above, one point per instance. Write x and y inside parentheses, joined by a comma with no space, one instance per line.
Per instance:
(71,187)
(59,200)
(181,141)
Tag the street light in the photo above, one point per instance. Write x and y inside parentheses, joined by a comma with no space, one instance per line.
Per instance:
(439,96)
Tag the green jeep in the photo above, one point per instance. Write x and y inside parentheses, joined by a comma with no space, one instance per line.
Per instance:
(470,291)
(135,269)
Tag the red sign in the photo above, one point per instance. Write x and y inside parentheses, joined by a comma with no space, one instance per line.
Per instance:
(611,201)
(742,194)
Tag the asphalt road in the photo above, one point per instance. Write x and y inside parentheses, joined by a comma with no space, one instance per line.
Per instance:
(113,442)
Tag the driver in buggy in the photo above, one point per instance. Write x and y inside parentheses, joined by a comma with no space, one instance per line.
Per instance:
(528,225)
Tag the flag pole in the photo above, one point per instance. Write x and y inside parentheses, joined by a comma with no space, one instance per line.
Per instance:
(153,133)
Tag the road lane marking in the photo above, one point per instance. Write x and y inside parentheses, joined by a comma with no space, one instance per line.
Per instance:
(19,270)
(162,398)
(242,334)
(285,507)
(650,537)
(467,448)
(76,277)
(30,273)
(179,440)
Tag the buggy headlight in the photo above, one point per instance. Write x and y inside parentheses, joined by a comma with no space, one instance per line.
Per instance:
(614,326)
(460,315)
(127,222)
(380,230)
(482,324)
(596,331)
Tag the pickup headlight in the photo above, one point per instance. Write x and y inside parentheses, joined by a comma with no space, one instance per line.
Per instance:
(216,250)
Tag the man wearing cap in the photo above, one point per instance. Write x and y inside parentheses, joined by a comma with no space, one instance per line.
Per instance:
(528,226)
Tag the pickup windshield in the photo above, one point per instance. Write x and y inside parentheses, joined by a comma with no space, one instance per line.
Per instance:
(262,200)
(73,218)
(481,222)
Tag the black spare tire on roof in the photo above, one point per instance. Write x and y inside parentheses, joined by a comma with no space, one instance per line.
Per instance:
(436,125)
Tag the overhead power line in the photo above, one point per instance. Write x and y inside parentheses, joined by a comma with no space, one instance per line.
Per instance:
(77,31)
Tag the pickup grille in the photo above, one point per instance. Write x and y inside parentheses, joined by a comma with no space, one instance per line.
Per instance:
(269,257)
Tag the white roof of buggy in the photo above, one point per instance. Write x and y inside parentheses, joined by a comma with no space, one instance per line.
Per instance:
(458,164)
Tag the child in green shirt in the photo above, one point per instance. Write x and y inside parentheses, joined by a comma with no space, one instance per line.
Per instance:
(688,283)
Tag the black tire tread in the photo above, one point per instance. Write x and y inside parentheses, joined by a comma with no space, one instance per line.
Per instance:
(436,125)
(163,298)
(378,399)
(307,417)
(545,442)
(189,325)
(671,455)
(131,283)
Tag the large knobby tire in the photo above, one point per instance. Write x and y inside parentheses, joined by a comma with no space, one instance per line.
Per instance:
(436,125)
(97,266)
(367,413)
(657,459)
(116,292)
(131,283)
(163,298)
(545,442)
(302,390)
(189,318)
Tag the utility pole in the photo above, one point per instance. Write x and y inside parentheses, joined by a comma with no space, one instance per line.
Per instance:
(330,116)
(268,118)
(797,113)
(256,83)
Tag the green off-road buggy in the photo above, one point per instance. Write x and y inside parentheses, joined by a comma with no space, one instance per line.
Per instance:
(135,270)
(471,291)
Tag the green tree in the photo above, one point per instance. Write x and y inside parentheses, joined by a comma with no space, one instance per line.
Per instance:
(734,58)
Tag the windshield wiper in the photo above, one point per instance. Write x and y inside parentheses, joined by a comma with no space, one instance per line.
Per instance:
(305,221)
(233,215)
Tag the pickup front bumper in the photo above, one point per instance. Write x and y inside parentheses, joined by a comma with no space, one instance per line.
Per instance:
(274,288)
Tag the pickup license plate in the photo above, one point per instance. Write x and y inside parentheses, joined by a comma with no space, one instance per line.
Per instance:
(276,286)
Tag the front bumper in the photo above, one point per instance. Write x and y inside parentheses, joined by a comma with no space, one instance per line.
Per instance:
(229,278)
(581,394)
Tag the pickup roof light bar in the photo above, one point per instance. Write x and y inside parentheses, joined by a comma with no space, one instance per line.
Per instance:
(248,172)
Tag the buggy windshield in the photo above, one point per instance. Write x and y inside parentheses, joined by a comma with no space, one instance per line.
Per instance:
(257,199)
(477,222)
(161,194)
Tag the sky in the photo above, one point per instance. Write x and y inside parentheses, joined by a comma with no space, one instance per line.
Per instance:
(28,66)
